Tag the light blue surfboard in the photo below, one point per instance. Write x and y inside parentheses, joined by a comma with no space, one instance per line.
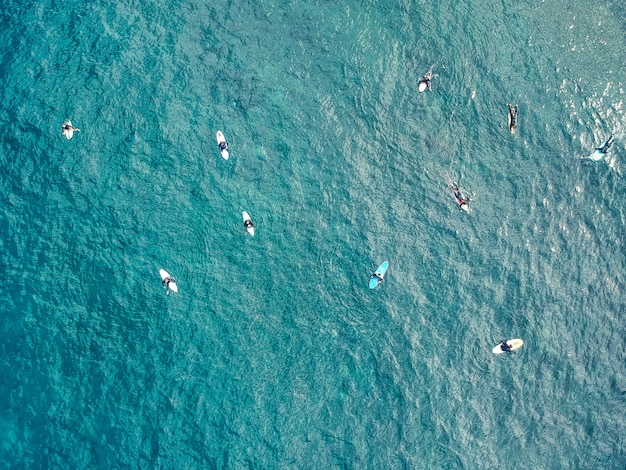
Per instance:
(375,280)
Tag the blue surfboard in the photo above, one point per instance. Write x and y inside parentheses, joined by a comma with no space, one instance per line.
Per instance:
(378,276)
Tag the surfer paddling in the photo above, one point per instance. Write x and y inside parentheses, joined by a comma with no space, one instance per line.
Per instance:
(607,145)
(461,200)
(512,117)
(601,152)
(68,130)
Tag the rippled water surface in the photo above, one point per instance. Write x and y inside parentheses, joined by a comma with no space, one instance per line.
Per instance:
(274,353)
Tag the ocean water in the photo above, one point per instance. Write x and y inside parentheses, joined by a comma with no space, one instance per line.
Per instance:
(274,353)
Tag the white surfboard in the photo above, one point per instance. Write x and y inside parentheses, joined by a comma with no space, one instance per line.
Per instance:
(513,344)
(172,284)
(250,228)
(423,83)
(596,155)
(220,138)
(68,129)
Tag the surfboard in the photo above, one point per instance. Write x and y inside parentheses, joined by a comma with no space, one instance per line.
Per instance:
(423,83)
(382,269)
(69,133)
(246,217)
(597,155)
(220,138)
(458,197)
(513,343)
(172,285)
(512,117)
(462,203)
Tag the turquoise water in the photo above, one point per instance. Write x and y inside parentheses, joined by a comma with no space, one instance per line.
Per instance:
(274,353)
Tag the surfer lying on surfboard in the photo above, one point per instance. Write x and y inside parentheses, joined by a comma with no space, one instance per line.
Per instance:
(512,117)
(68,129)
(424,82)
(600,152)
(461,200)
(607,145)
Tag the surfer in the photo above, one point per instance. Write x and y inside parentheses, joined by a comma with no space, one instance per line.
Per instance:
(505,347)
(248,224)
(424,82)
(607,145)
(512,117)
(223,146)
(460,200)
(68,129)
(166,283)
(600,152)
(377,276)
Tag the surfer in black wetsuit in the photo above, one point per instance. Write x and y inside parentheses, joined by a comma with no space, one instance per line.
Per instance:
(460,200)
(223,146)
(248,224)
(166,282)
(505,347)
(512,117)
(377,276)
(607,145)
(425,80)
(68,129)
